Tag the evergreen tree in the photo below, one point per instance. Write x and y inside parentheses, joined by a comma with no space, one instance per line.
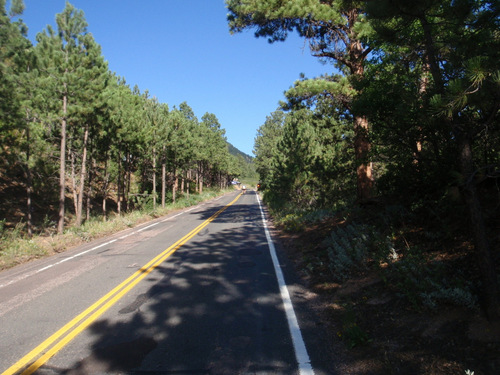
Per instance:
(214,143)
(180,142)
(455,44)
(335,31)
(73,71)
(13,57)
(19,135)
(266,142)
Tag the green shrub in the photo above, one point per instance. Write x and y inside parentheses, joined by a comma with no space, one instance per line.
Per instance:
(347,249)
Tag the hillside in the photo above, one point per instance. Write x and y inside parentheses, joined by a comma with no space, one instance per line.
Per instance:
(234,151)
(246,164)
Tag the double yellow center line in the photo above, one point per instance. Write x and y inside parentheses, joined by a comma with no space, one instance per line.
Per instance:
(43,352)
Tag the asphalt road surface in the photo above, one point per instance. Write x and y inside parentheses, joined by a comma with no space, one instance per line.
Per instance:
(194,292)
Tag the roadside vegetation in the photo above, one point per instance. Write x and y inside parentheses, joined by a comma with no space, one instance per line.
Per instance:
(383,174)
(76,141)
(83,154)
(402,140)
(16,247)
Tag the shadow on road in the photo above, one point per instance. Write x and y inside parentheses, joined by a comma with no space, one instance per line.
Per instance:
(213,308)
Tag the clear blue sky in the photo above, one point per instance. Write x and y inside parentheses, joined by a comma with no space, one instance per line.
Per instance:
(181,50)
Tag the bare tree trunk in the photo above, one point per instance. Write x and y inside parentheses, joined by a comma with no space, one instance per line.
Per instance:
(83,177)
(104,209)
(361,126)
(120,184)
(197,182)
(174,185)
(73,182)
(424,82)
(163,179)
(361,149)
(200,180)
(62,167)
(29,179)
(105,189)
(90,192)
(163,184)
(154,178)
(127,183)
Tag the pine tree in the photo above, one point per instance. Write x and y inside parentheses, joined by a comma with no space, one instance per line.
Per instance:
(214,148)
(457,44)
(18,135)
(335,31)
(12,56)
(73,71)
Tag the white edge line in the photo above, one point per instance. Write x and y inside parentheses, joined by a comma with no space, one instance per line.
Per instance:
(301,355)
(55,264)
(172,217)
(149,226)
(74,256)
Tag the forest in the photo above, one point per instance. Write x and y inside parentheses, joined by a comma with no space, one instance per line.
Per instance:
(401,140)
(78,142)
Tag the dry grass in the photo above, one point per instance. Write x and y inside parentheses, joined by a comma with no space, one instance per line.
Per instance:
(17,248)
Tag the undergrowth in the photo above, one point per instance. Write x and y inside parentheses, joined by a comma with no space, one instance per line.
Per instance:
(380,245)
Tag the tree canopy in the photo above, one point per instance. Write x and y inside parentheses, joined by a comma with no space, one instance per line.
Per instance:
(67,121)
(412,107)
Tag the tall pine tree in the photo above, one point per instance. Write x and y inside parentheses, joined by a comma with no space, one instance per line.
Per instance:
(73,72)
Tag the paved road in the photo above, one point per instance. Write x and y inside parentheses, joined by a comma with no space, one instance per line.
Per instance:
(195,292)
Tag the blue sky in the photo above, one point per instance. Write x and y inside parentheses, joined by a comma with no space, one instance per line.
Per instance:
(181,50)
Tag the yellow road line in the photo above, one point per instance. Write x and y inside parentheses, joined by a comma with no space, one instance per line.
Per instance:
(84,319)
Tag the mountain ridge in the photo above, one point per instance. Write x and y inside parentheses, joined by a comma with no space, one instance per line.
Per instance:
(236,152)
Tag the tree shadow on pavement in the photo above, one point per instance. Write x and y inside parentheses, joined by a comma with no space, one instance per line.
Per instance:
(213,307)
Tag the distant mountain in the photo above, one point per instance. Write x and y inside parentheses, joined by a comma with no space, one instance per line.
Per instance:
(246,163)
(234,151)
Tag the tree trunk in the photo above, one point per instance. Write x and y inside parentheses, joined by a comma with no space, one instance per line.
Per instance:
(361,126)
(29,179)
(62,167)
(105,188)
(83,177)
(127,183)
(197,182)
(163,184)
(154,179)
(481,244)
(120,184)
(361,149)
(163,179)
(174,185)
(431,53)
(200,179)
(90,192)
(422,90)
(73,182)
